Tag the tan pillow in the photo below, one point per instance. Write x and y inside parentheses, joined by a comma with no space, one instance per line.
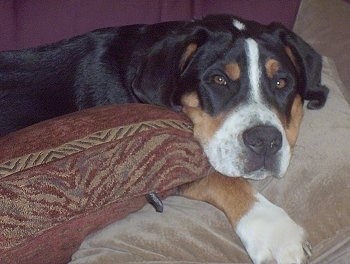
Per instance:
(64,178)
(315,192)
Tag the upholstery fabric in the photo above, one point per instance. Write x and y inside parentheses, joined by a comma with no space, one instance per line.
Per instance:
(315,192)
(188,231)
(64,178)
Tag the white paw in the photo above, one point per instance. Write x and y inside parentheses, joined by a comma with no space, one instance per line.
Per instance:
(271,236)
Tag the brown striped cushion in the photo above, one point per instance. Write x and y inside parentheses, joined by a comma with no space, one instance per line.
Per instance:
(66,177)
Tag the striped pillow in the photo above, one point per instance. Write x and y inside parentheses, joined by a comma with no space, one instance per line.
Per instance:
(67,177)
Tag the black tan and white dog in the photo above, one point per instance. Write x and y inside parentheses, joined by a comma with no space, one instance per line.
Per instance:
(242,84)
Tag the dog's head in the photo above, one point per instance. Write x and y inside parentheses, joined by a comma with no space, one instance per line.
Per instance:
(242,84)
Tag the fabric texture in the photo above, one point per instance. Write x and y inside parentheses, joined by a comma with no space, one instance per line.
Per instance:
(64,178)
(188,231)
(315,192)
(324,25)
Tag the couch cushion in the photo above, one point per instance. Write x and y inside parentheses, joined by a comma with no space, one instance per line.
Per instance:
(324,25)
(64,178)
(315,192)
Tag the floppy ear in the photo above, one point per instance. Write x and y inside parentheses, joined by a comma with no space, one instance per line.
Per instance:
(156,80)
(308,64)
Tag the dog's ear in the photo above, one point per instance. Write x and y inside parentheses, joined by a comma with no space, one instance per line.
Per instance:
(308,64)
(156,80)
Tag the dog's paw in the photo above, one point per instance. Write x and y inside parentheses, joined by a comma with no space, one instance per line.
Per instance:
(271,236)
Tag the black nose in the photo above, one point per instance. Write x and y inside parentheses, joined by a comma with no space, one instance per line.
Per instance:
(263,140)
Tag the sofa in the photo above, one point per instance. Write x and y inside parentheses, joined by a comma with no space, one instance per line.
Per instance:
(72,189)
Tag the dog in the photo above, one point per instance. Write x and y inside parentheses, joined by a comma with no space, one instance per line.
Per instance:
(243,85)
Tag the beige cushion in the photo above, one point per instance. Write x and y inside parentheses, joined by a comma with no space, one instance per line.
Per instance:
(325,24)
(315,192)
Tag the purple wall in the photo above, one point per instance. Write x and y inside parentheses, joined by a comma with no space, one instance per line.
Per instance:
(28,23)
(7,25)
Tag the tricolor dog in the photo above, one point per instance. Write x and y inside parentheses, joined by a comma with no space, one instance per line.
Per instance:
(242,84)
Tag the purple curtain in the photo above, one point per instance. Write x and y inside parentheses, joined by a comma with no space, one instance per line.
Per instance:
(28,23)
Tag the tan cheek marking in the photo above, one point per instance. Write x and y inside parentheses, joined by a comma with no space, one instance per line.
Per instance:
(234,196)
(233,71)
(190,100)
(191,48)
(292,129)
(272,66)
(204,125)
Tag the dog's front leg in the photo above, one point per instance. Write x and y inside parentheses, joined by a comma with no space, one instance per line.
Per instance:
(268,233)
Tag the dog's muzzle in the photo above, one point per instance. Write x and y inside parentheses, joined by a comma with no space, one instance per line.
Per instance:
(251,143)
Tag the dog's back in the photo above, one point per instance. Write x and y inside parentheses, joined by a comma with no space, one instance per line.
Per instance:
(85,71)
(35,83)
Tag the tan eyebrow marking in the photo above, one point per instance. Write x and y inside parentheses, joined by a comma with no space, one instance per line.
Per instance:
(233,71)
(272,66)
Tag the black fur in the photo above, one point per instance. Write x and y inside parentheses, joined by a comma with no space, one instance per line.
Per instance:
(309,66)
(134,64)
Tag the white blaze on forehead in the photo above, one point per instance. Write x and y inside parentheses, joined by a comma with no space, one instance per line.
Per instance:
(254,71)
(238,24)
(226,150)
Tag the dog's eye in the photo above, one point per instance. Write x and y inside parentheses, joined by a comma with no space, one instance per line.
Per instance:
(220,80)
(281,83)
